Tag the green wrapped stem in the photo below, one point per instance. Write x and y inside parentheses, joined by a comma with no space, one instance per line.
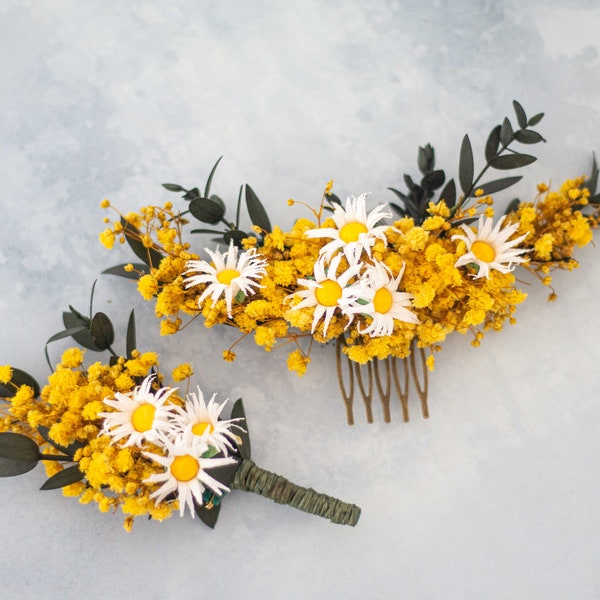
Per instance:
(251,478)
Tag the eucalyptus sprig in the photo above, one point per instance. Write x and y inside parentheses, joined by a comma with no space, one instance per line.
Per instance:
(499,155)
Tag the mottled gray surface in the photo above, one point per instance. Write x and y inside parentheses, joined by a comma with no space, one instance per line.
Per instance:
(496,495)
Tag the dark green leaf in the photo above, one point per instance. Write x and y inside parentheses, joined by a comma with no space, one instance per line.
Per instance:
(66,333)
(592,181)
(506,132)
(204,231)
(18,379)
(120,271)
(208,516)
(207,210)
(520,113)
(433,180)
(210,178)
(398,209)
(535,119)
(410,184)
(130,340)
(226,473)
(84,337)
(333,199)
(594,199)
(238,412)
(257,212)
(400,195)
(448,194)
(528,136)
(426,159)
(493,143)
(466,221)
(466,166)
(491,187)
(16,446)
(512,206)
(10,468)
(102,330)
(236,235)
(173,187)
(45,433)
(512,161)
(65,477)
(192,194)
(150,256)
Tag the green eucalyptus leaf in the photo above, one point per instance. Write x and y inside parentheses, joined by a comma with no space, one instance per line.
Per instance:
(102,330)
(520,114)
(204,231)
(433,180)
(236,235)
(333,199)
(226,473)
(18,379)
(208,516)
(150,256)
(535,119)
(210,178)
(19,447)
(592,180)
(120,271)
(512,206)
(528,136)
(11,468)
(207,210)
(192,194)
(448,194)
(173,187)
(257,212)
(66,333)
(512,161)
(130,339)
(400,195)
(65,477)
(493,143)
(466,166)
(74,319)
(237,412)
(491,187)
(398,209)
(506,132)
(426,159)
(45,433)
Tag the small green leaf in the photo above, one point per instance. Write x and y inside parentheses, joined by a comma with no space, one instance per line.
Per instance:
(120,271)
(400,195)
(150,256)
(65,477)
(491,187)
(210,178)
(426,159)
(210,452)
(512,206)
(528,136)
(204,231)
(592,180)
(257,212)
(130,340)
(333,199)
(74,319)
(102,331)
(466,166)
(18,379)
(398,209)
(448,194)
(66,333)
(208,516)
(173,187)
(520,113)
(207,210)
(11,468)
(512,161)
(506,132)
(237,412)
(226,473)
(236,235)
(192,194)
(240,297)
(493,143)
(535,119)
(19,447)
(433,180)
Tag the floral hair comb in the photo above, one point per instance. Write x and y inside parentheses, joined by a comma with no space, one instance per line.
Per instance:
(386,290)
(113,434)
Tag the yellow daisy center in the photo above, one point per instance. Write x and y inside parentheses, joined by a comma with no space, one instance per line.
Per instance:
(483,251)
(184,467)
(143,417)
(202,427)
(383,300)
(351,231)
(329,293)
(226,276)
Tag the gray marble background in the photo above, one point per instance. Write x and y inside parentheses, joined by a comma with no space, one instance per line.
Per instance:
(495,496)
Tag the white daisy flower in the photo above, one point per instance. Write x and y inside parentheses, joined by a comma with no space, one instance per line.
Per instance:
(356,231)
(385,303)
(202,420)
(328,292)
(489,248)
(140,415)
(186,473)
(227,275)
